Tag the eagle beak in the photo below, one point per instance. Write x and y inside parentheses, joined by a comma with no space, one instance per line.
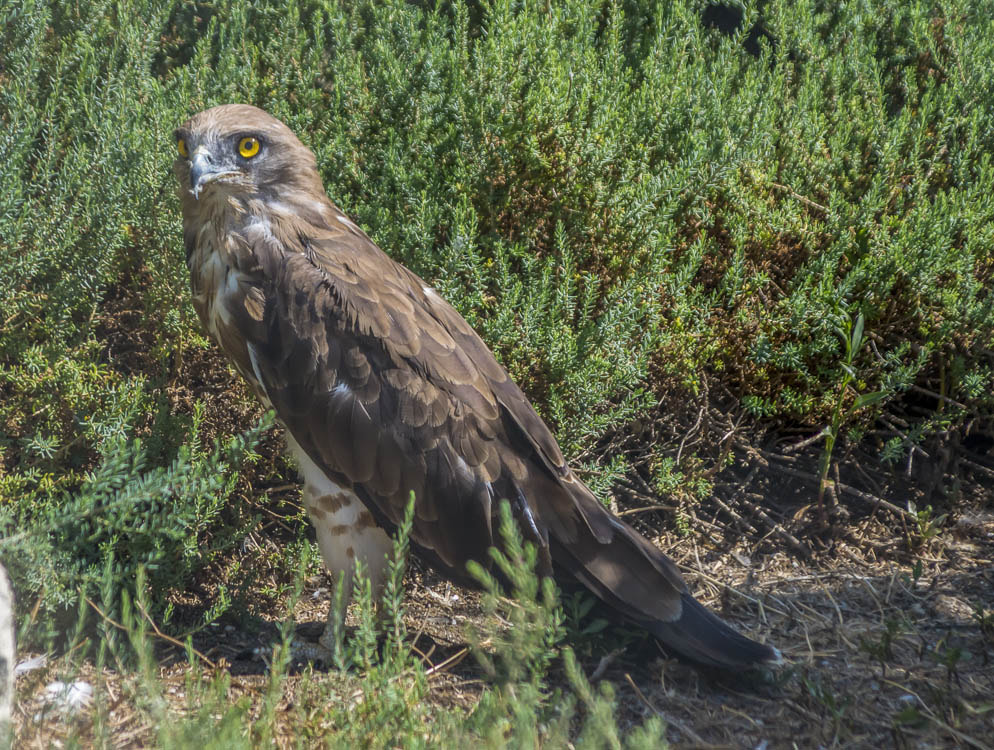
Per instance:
(202,171)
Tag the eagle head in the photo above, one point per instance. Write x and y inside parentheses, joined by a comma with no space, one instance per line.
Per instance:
(240,151)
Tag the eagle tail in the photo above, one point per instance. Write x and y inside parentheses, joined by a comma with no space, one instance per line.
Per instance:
(699,634)
(643,586)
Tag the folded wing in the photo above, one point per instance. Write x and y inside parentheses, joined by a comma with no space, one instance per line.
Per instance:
(389,390)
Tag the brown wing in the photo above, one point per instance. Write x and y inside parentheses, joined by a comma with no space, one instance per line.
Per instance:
(390,391)
(373,377)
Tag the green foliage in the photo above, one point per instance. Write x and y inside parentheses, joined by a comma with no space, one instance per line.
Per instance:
(528,643)
(820,696)
(927,526)
(125,517)
(852,339)
(376,696)
(882,650)
(599,190)
(517,648)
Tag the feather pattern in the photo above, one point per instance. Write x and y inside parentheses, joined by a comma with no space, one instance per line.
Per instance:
(387,390)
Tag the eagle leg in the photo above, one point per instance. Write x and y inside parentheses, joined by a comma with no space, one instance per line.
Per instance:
(346,533)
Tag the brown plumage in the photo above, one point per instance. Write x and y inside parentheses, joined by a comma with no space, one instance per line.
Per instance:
(384,389)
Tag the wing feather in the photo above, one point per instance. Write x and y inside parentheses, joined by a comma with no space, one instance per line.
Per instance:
(389,390)
(385,386)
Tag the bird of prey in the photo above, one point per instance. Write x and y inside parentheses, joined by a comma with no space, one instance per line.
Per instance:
(384,390)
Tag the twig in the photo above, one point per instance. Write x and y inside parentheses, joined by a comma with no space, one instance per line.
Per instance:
(778,530)
(797,196)
(646,494)
(169,638)
(939,396)
(956,733)
(836,484)
(794,447)
(930,715)
(691,735)
(699,573)
(652,504)
(646,509)
(421,630)
(457,657)
(901,512)
(734,514)
(604,663)
(691,431)
(276,518)
(280,488)
(424,657)
(738,491)
(977,467)
(775,528)
(158,632)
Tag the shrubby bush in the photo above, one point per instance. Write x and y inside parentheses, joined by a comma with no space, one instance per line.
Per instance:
(623,202)
(376,694)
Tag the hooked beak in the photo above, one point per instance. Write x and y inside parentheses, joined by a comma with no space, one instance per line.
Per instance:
(202,172)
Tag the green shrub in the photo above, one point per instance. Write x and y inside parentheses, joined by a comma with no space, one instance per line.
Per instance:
(598,188)
(376,695)
(125,516)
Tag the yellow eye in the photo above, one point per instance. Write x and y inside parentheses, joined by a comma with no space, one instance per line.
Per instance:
(181,147)
(248,147)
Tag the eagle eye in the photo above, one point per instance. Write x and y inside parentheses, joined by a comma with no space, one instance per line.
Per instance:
(248,147)
(181,147)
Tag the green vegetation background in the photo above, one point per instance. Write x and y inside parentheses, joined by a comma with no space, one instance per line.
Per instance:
(627,205)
